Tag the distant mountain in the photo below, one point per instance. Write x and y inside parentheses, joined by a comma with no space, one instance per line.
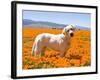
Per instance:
(44,24)
(27,22)
(84,28)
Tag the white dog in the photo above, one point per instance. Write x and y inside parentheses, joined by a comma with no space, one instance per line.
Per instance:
(60,42)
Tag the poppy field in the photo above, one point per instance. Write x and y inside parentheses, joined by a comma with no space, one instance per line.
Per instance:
(79,53)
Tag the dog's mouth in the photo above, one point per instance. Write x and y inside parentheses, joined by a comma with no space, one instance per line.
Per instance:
(71,34)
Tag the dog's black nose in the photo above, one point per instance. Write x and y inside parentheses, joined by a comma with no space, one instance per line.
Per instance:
(71,34)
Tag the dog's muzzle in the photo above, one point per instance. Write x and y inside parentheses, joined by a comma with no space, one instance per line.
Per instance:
(71,34)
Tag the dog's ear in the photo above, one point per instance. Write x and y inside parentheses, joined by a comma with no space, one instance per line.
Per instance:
(64,31)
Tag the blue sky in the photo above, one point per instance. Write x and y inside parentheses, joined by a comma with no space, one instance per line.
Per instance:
(80,19)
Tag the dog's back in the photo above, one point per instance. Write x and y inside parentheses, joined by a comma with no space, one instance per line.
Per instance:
(40,41)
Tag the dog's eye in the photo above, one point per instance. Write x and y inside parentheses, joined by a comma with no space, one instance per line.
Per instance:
(67,30)
(71,29)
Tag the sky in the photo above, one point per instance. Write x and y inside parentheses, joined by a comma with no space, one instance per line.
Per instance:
(80,19)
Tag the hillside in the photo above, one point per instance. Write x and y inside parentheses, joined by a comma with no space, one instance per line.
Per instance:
(45,24)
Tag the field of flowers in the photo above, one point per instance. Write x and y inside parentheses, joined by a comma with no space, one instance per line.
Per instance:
(79,53)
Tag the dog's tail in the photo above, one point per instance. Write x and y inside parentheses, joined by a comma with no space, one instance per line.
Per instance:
(33,48)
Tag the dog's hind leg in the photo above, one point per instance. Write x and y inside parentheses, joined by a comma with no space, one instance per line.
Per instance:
(35,50)
(38,49)
(43,51)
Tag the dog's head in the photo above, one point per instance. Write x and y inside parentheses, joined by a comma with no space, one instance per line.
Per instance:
(69,30)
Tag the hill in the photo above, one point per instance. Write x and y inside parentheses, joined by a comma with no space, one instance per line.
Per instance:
(46,24)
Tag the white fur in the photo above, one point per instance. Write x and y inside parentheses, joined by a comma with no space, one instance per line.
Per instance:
(60,42)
